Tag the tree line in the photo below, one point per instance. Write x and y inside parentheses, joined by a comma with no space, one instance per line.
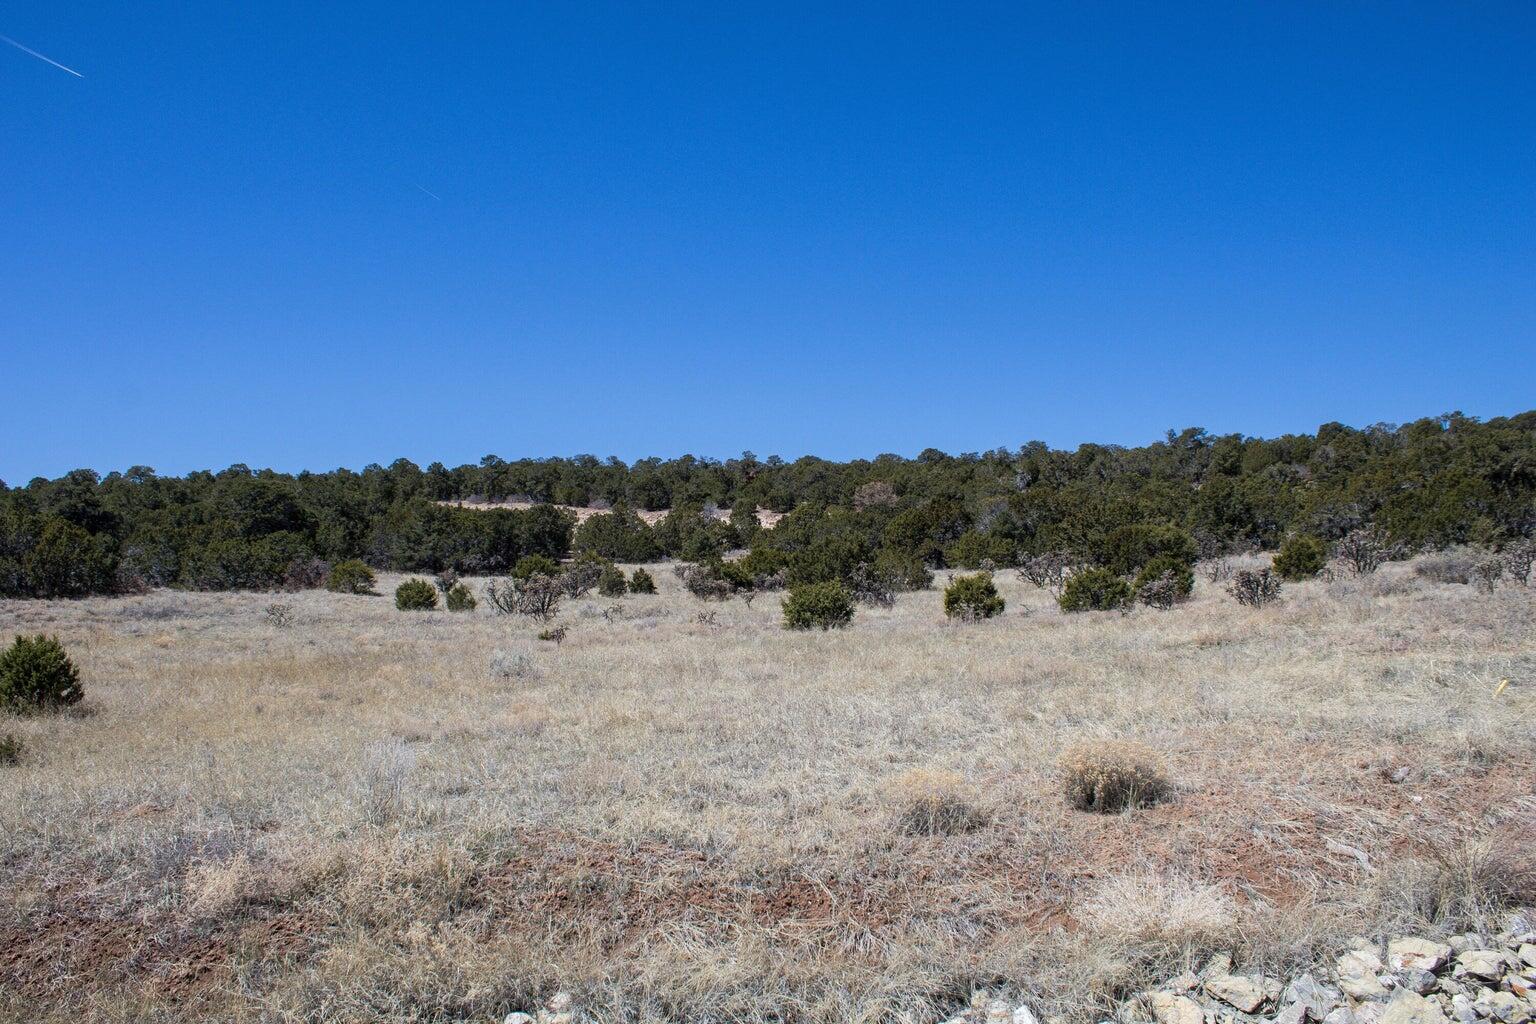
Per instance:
(1430,484)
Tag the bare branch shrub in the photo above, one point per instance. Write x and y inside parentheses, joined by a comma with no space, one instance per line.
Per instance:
(1048,571)
(1161,593)
(1446,567)
(1488,571)
(873,494)
(1217,570)
(538,595)
(1518,559)
(872,585)
(703,584)
(1255,588)
(279,615)
(1363,550)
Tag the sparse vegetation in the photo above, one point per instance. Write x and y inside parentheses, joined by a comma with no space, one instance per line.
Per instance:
(37,675)
(415,595)
(11,749)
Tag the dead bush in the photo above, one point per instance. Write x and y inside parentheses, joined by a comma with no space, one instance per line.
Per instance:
(1255,588)
(1465,885)
(1112,775)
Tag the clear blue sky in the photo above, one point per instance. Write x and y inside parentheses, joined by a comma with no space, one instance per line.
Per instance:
(657,229)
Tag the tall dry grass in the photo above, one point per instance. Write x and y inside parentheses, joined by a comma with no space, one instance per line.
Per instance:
(439,816)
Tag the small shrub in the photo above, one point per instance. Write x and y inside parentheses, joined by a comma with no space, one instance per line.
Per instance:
(1166,569)
(1518,559)
(1363,550)
(516,664)
(459,599)
(1094,590)
(642,583)
(415,595)
(555,636)
(872,585)
(971,598)
(1216,570)
(936,803)
(1488,571)
(37,675)
(1255,588)
(825,605)
(535,565)
(1161,593)
(280,615)
(306,574)
(1048,571)
(1111,776)
(351,577)
(1300,558)
(1447,567)
(11,748)
(611,582)
(578,578)
(907,572)
(705,583)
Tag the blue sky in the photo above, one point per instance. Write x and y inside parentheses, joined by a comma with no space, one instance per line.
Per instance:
(305,235)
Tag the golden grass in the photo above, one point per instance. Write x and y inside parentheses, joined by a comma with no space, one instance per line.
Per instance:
(371,815)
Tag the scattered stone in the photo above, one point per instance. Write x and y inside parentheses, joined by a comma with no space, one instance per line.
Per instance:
(517,1018)
(1318,1000)
(999,1012)
(1342,1015)
(1527,953)
(1411,1008)
(1185,982)
(1463,1010)
(1420,982)
(1509,1008)
(1418,954)
(1023,1016)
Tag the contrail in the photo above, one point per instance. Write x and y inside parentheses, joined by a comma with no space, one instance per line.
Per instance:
(429,192)
(49,60)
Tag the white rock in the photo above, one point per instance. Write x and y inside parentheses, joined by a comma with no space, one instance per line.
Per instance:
(1417,954)
(1527,954)
(1341,1015)
(1246,994)
(1411,1008)
(1463,1010)
(1172,1009)
(1357,972)
(517,1018)
(1510,1008)
(560,1002)
(1021,1015)
(998,1012)
(1482,963)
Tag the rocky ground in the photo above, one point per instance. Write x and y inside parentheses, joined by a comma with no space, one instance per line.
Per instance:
(1467,979)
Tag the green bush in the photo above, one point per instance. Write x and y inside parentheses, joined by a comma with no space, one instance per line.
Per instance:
(642,583)
(1300,558)
(69,562)
(351,577)
(1127,550)
(530,565)
(415,595)
(825,605)
(612,583)
(36,675)
(908,573)
(458,598)
(1182,573)
(1094,590)
(621,535)
(974,550)
(972,597)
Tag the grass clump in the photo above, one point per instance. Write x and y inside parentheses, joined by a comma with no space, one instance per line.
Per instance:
(10,749)
(37,675)
(818,606)
(936,803)
(415,595)
(351,577)
(1112,775)
(970,598)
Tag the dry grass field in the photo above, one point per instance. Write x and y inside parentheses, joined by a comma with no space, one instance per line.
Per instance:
(368,814)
